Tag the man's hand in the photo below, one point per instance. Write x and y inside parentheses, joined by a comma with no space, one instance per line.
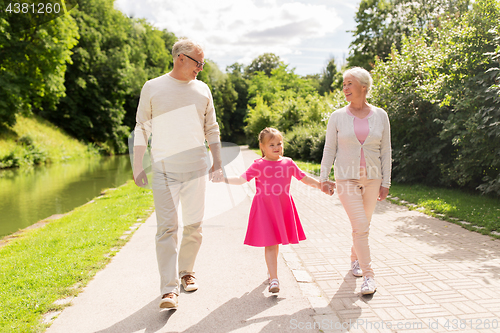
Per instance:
(382,194)
(140,178)
(216,174)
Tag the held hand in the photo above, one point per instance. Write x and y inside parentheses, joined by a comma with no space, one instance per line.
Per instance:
(382,194)
(325,188)
(140,178)
(216,176)
(334,186)
(328,187)
(218,180)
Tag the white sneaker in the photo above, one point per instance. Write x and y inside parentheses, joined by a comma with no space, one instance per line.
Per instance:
(189,283)
(169,301)
(369,286)
(356,270)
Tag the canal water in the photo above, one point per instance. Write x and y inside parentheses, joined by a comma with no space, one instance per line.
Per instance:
(29,195)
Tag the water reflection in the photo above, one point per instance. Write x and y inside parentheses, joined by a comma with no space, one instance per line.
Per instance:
(32,194)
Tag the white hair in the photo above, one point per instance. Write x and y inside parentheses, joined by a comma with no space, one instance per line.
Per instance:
(184,46)
(363,77)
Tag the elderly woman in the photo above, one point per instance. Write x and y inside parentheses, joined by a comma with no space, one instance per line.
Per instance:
(358,143)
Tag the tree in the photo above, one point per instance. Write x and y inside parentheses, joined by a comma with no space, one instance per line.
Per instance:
(34,53)
(114,57)
(151,57)
(370,37)
(236,120)
(383,23)
(331,78)
(96,81)
(489,116)
(224,96)
(276,101)
(441,96)
(315,80)
(263,63)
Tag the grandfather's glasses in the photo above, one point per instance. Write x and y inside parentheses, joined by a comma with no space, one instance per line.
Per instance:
(198,63)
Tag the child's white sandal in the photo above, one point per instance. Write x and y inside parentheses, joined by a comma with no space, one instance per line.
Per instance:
(274,286)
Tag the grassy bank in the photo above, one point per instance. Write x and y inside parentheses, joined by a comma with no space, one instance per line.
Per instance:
(57,260)
(472,211)
(33,141)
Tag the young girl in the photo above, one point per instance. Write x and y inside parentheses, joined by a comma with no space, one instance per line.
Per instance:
(273,219)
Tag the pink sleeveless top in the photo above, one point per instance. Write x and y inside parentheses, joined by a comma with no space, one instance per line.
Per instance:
(361,129)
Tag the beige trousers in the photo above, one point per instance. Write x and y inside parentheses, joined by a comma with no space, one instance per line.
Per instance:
(168,190)
(359,197)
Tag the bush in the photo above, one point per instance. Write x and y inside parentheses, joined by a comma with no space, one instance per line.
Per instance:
(441,95)
(306,142)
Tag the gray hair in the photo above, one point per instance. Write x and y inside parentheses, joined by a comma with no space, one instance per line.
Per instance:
(363,77)
(184,46)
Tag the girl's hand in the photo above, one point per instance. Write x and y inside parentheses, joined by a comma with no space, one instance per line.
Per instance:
(232,180)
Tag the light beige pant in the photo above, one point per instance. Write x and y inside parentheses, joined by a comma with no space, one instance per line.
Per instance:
(359,197)
(168,189)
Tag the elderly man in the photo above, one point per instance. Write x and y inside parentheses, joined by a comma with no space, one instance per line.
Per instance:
(178,111)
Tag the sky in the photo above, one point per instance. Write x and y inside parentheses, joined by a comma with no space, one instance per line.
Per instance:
(305,34)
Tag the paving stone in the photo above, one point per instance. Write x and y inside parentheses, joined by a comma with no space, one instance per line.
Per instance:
(426,268)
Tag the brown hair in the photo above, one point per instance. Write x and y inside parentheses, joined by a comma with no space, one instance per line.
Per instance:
(268,133)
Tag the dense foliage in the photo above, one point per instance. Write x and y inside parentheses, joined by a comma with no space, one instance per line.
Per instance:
(277,100)
(441,94)
(434,63)
(83,71)
(34,54)
(382,24)
(290,103)
(114,57)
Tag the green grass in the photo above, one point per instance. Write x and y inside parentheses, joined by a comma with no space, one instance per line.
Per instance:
(481,213)
(472,211)
(57,260)
(312,168)
(34,140)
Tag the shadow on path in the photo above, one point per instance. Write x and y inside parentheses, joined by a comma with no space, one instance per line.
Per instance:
(238,313)
(344,300)
(148,318)
(456,243)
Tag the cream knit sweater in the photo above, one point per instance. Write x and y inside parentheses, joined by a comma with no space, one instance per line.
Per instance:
(343,147)
(180,116)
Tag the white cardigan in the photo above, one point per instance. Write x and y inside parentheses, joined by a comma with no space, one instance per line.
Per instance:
(343,147)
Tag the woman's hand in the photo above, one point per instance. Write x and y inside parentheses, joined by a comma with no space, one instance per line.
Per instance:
(328,187)
(382,194)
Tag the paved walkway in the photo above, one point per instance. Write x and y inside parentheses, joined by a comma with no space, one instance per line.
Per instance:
(433,276)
